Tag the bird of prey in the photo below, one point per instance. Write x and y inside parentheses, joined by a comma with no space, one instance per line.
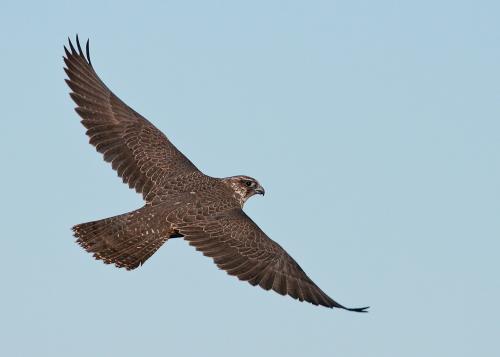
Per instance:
(180,201)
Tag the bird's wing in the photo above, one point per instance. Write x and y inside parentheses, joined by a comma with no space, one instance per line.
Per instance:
(238,246)
(141,154)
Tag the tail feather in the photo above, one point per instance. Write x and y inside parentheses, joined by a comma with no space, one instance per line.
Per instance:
(127,240)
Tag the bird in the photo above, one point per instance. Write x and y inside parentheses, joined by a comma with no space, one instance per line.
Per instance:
(180,201)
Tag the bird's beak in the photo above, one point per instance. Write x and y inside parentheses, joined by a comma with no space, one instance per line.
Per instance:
(260,190)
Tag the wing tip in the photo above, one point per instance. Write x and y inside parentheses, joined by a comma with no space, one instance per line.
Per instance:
(357,309)
(79,53)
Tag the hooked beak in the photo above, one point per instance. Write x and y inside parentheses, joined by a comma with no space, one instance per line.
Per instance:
(260,190)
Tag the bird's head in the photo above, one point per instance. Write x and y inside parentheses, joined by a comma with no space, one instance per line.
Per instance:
(244,187)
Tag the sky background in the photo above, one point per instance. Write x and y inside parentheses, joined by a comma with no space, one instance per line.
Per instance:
(373,125)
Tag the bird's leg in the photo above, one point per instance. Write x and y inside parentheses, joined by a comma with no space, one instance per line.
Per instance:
(176,234)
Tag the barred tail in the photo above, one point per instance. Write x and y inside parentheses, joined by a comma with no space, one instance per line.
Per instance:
(127,240)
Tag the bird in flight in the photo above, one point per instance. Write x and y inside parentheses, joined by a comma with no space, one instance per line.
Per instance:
(180,201)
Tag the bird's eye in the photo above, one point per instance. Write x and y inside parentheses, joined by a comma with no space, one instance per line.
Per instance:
(248,183)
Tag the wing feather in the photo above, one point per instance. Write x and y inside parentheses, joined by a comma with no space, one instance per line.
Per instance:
(142,155)
(238,246)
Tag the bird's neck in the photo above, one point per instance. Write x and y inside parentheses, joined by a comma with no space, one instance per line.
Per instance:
(239,192)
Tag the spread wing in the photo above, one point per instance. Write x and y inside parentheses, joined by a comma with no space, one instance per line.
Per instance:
(238,246)
(141,154)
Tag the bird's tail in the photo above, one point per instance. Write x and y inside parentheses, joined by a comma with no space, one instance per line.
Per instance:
(127,240)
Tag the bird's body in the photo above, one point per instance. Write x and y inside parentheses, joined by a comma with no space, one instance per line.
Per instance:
(180,201)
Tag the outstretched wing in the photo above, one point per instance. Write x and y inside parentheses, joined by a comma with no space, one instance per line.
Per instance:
(141,154)
(238,246)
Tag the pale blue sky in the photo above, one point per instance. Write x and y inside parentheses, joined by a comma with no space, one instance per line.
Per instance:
(373,125)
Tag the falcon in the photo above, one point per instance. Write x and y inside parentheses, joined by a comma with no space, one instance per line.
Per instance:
(180,201)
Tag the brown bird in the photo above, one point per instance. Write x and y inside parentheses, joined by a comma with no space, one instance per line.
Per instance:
(180,200)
